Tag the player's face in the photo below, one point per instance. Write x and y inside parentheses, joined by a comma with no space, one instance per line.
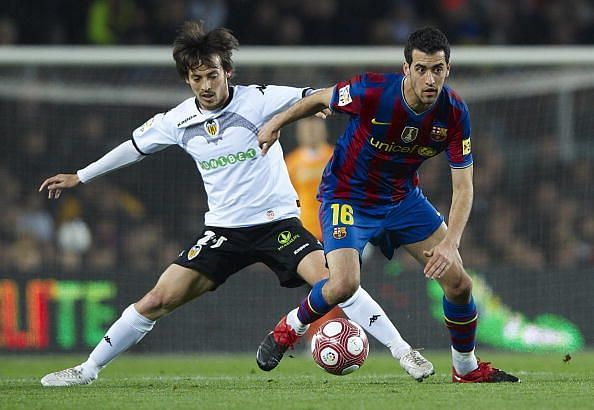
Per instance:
(210,85)
(427,74)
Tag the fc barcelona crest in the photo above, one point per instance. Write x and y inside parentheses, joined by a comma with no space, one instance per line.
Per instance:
(339,232)
(409,134)
(439,134)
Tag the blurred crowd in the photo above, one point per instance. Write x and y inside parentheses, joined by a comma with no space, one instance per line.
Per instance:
(531,215)
(113,224)
(298,22)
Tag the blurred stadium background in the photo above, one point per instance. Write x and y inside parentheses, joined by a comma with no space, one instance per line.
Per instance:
(69,267)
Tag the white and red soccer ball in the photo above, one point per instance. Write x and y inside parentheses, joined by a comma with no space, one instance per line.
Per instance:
(340,346)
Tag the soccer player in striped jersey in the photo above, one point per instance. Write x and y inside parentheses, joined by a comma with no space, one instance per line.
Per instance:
(253,209)
(370,190)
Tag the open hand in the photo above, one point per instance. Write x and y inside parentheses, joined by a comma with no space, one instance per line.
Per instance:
(57,183)
(441,258)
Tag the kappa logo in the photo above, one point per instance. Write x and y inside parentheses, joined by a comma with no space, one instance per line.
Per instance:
(299,249)
(409,134)
(339,232)
(108,340)
(182,122)
(373,319)
(261,88)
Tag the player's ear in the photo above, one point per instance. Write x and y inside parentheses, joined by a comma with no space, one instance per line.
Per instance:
(447,74)
(406,68)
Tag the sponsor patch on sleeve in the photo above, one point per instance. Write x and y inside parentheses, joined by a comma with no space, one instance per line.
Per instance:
(344,96)
(146,125)
(466,146)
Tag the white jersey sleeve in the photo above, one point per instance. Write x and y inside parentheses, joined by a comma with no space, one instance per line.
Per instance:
(155,135)
(123,155)
(278,98)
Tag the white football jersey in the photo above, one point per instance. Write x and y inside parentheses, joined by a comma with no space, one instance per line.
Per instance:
(244,188)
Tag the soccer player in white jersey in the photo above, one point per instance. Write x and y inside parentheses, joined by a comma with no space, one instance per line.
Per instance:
(253,209)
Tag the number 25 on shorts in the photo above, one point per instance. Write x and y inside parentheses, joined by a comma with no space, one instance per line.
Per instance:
(342,214)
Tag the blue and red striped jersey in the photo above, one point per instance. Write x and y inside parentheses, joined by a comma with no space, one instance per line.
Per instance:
(375,160)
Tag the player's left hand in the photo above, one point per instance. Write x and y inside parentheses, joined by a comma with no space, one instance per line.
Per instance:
(441,257)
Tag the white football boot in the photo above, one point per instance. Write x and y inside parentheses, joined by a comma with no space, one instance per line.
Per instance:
(416,365)
(69,377)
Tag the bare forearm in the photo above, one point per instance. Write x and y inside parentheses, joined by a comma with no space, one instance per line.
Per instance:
(459,214)
(305,107)
(462,196)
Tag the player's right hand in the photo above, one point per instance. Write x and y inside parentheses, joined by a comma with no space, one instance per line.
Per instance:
(267,136)
(57,183)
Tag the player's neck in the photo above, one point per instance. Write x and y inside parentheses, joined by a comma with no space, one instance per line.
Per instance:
(411,98)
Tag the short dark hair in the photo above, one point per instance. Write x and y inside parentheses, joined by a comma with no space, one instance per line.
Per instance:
(429,40)
(193,47)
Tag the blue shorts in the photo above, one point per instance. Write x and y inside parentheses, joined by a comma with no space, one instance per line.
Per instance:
(347,225)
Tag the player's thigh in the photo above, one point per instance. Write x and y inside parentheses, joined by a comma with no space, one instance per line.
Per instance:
(455,275)
(416,249)
(176,286)
(291,251)
(412,220)
(218,253)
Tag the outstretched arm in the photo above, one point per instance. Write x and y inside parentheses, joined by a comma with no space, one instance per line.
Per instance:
(443,255)
(121,156)
(310,105)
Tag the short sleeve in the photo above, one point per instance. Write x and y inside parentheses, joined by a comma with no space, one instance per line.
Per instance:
(154,135)
(459,149)
(348,95)
(278,98)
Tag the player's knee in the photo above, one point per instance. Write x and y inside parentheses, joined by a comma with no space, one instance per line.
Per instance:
(459,291)
(156,303)
(342,290)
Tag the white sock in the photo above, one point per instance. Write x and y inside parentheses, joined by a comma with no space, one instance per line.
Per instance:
(464,362)
(295,323)
(365,311)
(128,330)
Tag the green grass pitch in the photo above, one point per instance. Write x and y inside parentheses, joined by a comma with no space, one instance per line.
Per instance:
(234,382)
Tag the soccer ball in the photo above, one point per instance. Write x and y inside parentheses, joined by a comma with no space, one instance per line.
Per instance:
(339,346)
